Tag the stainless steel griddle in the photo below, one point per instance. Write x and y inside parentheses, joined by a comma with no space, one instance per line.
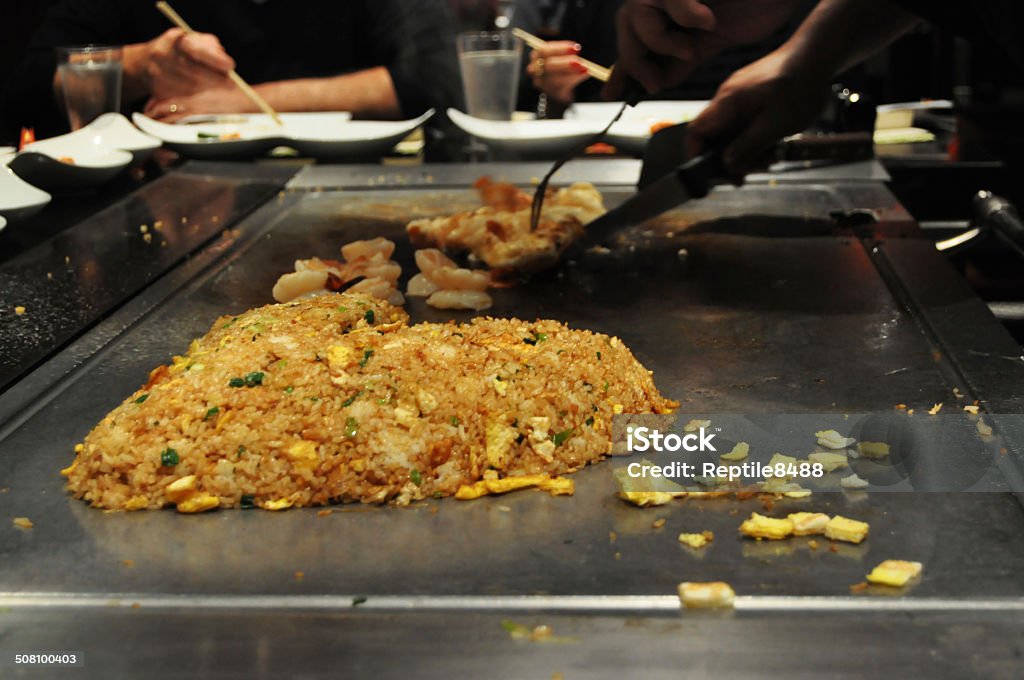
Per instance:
(787,302)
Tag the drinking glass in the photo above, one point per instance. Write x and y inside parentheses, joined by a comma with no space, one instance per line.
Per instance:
(90,78)
(490,62)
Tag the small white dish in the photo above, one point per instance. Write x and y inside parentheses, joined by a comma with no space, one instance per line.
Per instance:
(63,164)
(321,135)
(633,130)
(113,131)
(85,158)
(528,138)
(213,140)
(324,138)
(18,198)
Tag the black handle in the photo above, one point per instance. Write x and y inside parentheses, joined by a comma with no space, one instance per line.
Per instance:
(634,93)
(703,172)
(996,214)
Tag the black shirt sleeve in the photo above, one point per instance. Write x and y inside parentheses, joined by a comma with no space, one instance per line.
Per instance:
(275,40)
(415,40)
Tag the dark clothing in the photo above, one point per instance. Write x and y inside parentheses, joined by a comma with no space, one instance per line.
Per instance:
(270,40)
(982,21)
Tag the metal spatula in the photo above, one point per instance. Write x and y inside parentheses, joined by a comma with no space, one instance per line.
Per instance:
(669,178)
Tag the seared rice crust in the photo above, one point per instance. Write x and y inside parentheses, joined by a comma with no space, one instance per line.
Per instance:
(355,405)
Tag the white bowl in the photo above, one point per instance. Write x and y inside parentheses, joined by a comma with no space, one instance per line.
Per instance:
(19,199)
(112,131)
(46,164)
(256,135)
(324,138)
(533,138)
(321,135)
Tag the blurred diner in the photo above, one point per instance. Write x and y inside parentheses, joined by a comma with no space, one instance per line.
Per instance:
(379,59)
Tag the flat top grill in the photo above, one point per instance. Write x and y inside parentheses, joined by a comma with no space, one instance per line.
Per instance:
(776,308)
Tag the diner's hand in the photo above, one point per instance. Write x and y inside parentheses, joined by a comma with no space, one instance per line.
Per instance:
(176,63)
(214,100)
(661,42)
(556,70)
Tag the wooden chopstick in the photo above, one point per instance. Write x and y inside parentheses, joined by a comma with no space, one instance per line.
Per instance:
(594,70)
(245,87)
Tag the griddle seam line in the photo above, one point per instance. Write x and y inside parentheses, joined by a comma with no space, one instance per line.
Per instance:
(566,603)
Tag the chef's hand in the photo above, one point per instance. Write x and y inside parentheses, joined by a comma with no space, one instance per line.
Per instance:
(556,70)
(757,106)
(661,42)
(214,100)
(176,63)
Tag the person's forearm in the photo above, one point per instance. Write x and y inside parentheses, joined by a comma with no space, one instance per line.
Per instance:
(367,94)
(839,34)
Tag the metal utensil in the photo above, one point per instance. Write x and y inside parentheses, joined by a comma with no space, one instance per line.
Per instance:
(669,178)
(633,96)
(693,179)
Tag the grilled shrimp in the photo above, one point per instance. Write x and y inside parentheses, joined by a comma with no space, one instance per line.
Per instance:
(454,278)
(460,299)
(300,284)
(368,249)
(421,286)
(380,289)
(429,259)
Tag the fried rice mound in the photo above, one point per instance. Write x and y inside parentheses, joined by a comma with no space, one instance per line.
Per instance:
(337,399)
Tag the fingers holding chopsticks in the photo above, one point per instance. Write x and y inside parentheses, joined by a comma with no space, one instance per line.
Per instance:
(556,70)
(177,63)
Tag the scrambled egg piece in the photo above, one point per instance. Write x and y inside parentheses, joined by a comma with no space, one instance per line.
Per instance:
(828,461)
(23,523)
(697,540)
(778,459)
(499,440)
(303,454)
(556,486)
(894,573)
(873,449)
(713,595)
(853,482)
(845,529)
(340,356)
(180,489)
(759,526)
(198,502)
(695,425)
(739,452)
(808,523)
(136,503)
(278,504)
(643,499)
(831,439)
(186,498)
